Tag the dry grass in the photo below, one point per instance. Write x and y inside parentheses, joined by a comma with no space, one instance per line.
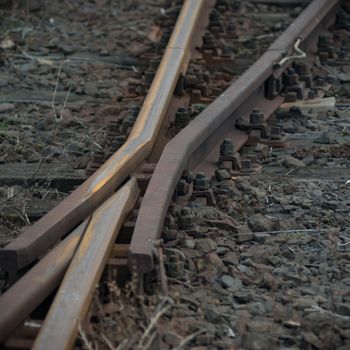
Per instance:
(125,319)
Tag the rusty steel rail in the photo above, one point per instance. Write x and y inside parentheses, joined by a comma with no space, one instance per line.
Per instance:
(75,292)
(38,238)
(31,290)
(197,145)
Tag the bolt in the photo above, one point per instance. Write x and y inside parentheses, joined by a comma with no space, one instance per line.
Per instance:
(256,117)
(323,56)
(227,148)
(201,182)
(181,117)
(209,41)
(186,219)
(174,268)
(214,16)
(182,187)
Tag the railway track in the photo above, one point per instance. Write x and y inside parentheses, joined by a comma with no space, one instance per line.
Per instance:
(117,216)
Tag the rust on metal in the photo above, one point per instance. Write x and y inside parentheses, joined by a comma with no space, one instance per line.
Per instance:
(30,290)
(75,292)
(80,203)
(204,135)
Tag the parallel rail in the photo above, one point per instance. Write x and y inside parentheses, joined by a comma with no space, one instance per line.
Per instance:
(195,147)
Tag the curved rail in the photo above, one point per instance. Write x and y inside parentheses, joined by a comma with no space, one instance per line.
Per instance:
(79,204)
(203,135)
